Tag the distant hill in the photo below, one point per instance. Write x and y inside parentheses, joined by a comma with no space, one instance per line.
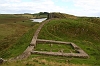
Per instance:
(60,15)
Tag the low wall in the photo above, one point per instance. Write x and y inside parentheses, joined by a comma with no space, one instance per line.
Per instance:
(80,54)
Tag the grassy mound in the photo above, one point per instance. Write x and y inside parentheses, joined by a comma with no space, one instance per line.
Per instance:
(62,15)
(83,32)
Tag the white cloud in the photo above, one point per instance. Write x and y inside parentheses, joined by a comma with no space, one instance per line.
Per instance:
(88,7)
(13,0)
(88,4)
(9,1)
(18,6)
(84,7)
(80,7)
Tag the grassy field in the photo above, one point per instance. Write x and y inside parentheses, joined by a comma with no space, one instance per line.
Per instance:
(54,48)
(17,31)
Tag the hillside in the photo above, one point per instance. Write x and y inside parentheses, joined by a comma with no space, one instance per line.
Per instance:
(14,31)
(83,31)
(60,15)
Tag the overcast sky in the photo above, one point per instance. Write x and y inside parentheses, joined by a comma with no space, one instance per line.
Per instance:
(74,7)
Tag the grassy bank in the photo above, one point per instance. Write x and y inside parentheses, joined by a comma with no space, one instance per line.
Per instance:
(84,33)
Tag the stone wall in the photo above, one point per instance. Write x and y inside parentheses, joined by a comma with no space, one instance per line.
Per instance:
(32,45)
(80,54)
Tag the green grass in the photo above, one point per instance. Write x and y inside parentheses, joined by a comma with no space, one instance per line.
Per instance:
(19,46)
(62,15)
(84,33)
(15,36)
(5,30)
(54,48)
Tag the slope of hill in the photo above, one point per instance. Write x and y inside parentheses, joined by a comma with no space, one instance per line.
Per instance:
(60,15)
(82,31)
(14,31)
